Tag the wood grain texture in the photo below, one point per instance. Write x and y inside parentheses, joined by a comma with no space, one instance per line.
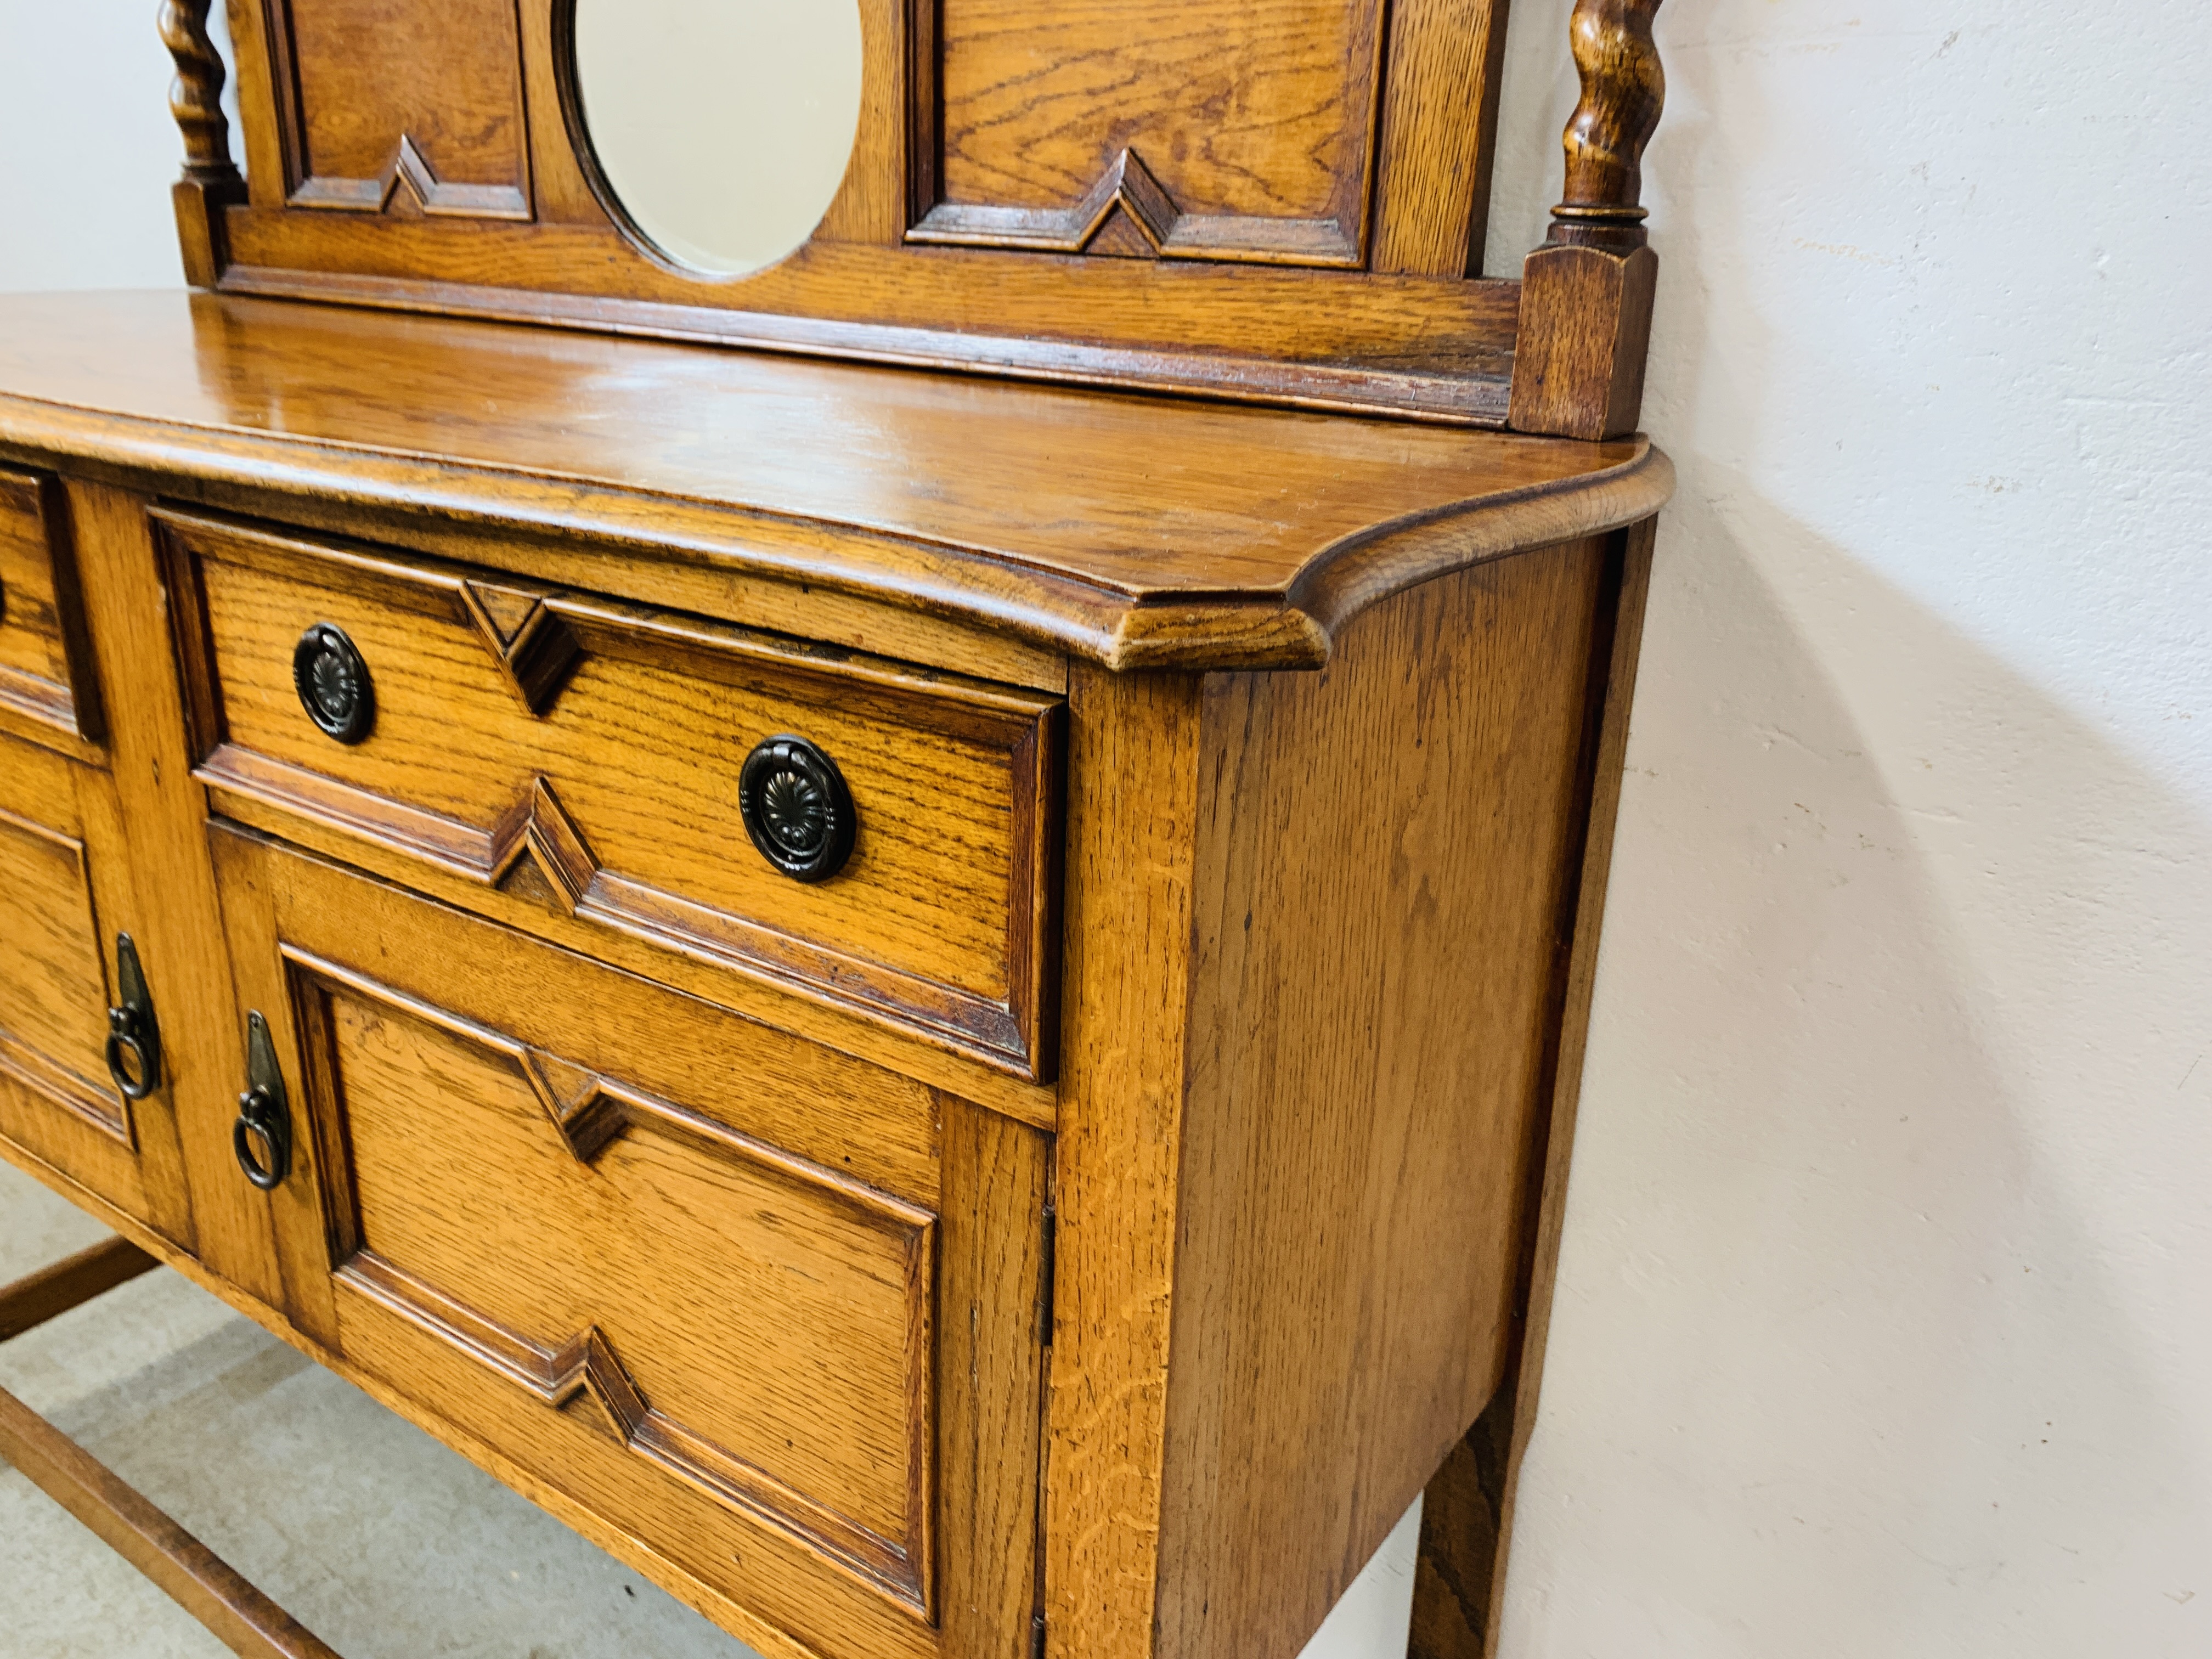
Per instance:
(1624,88)
(1585,330)
(1586,294)
(388,139)
(212,185)
(993,1331)
(1136,532)
(1458,1560)
(65,889)
(174,918)
(738,1356)
(53,1289)
(1440,127)
(394,108)
(1251,127)
(243,1620)
(767,1638)
(1548,1218)
(1134,789)
(590,757)
(48,687)
(1466,1525)
(1382,852)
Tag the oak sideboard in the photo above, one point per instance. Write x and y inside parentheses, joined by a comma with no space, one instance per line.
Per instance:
(910,933)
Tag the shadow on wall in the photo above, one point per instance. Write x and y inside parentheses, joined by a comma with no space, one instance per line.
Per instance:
(1836,1339)
(1890,1110)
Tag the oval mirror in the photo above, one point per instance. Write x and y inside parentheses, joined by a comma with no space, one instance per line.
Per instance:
(720,128)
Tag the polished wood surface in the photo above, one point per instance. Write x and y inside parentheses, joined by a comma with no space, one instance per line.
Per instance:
(1283,204)
(1077,1228)
(66,882)
(1338,1125)
(53,1289)
(1624,88)
(1138,532)
(1586,295)
(584,756)
(49,689)
(1268,1317)
(1466,1525)
(685,1268)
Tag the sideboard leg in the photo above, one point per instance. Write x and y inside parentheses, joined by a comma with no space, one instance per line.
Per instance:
(191,1575)
(74,1281)
(1466,1517)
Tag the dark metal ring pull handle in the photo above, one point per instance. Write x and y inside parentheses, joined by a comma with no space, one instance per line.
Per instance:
(796,808)
(333,683)
(262,1137)
(134,1037)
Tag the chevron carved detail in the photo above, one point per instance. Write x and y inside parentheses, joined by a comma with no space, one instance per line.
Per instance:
(1143,216)
(540,829)
(582,1376)
(409,172)
(1127,214)
(586,1368)
(535,649)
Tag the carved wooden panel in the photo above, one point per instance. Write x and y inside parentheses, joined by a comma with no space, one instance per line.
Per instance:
(53,985)
(389,108)
(1175,129)
(61,898)
(585,754)
(1296,192)
(48,688)
(764,1319)
(749,1323)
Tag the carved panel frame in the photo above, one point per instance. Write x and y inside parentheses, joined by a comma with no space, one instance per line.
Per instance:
(533,645)
(588,1113)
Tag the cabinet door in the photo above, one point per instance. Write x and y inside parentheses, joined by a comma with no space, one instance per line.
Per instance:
(762,1317)
(64,898)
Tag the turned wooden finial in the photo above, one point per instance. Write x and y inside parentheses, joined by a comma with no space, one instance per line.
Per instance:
(196,96)
(1624,88)
(1586,294)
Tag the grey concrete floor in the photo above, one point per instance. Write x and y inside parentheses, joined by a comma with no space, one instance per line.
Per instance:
(378,1539)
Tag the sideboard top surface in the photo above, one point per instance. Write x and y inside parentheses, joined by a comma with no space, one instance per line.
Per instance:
(1140,530)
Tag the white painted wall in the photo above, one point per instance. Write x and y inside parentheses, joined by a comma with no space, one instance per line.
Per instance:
(1881,1328)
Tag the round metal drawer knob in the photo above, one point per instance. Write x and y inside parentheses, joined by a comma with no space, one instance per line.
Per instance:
(333,683)
(796,808)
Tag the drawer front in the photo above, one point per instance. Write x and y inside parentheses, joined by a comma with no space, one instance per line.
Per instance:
(587,756)
(712,1284)
(47,687)
(62,895)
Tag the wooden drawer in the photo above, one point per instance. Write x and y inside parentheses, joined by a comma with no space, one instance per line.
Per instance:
(734,1299)
(585,755)
(64,893)
(48,691)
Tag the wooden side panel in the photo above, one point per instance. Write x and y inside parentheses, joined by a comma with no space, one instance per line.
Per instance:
(416,109)
(49,689)
(1384,852)
(1132,817)
(1466,1525)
